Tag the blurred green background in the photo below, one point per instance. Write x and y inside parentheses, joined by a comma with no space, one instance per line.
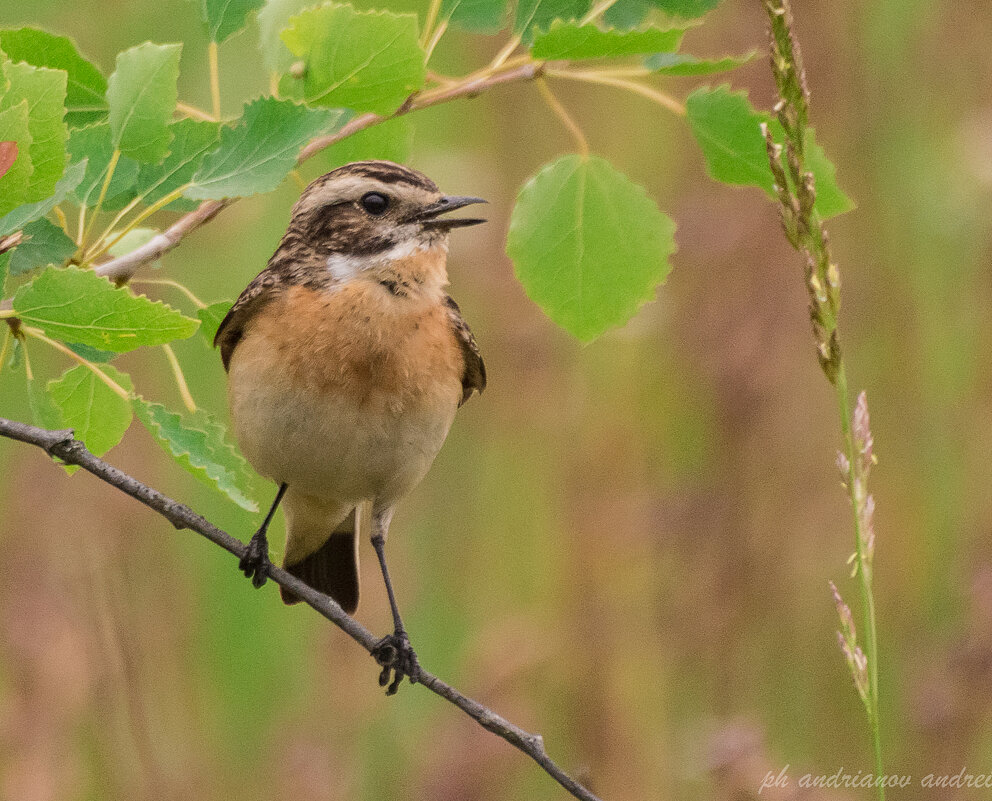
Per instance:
(624,546)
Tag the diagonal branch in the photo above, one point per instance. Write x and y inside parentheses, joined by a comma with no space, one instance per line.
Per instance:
(61,445)
(121,269)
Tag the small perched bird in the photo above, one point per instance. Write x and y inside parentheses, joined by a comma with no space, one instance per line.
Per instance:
(346,362)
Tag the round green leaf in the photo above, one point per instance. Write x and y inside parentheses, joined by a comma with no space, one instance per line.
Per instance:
(79,306)
(86,404)
(588,244)
(86,87)
(142,97)
(362,60)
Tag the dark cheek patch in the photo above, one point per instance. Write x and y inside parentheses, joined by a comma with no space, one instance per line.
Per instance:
(344,229)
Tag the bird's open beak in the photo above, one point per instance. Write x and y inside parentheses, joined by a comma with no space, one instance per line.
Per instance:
(430,215)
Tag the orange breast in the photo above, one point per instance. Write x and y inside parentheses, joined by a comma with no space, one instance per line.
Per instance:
(360,341)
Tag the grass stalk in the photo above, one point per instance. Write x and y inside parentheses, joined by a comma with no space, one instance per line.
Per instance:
(804,229)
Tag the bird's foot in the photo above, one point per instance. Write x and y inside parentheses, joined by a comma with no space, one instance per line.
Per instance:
(397,658)
(255,563)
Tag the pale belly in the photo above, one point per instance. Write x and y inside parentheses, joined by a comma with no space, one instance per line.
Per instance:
(347,421)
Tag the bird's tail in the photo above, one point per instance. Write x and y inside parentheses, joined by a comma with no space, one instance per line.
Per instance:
(332,568)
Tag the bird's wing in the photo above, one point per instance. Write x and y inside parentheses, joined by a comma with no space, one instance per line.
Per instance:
(259,292)
(474,375)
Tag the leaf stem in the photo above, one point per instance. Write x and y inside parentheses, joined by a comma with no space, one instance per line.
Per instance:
(175,285)
(600,8)
(592,76)
(212,57)
(573,127)
(36,333)
(194,112)
(432,14)
(114,158)
(110,228)
(438,33)
(5,347)
(98,250)
(177,371)
(504,54)
(28,372)
(80,225)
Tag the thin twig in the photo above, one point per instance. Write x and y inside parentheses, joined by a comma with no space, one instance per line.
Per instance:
(122,268)
(61,445)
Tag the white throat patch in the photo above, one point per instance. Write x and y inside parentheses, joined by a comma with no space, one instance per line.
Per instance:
(344,266)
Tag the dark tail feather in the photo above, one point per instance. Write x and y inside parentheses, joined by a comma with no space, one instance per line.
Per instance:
(333,569)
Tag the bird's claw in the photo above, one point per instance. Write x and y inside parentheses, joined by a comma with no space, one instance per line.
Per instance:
(397,658)
(255,563)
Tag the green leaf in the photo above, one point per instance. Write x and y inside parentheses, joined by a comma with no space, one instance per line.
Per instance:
(91,354)
(362,60)
(22,215)
(625,15)
(44,414)
(541,13)
(687,9)
(478,16)
(96,413)
(16,353)
(588,244)
(86,88)
(95,144)
(79,306)
(14,183)
(685,64)
(226,17)
(199,443)
(192,139)
(260,150)
(728,131)
(569,40)
(142,96)
(4,271)
(273,19)
(44,91)
(830,198)
(211,317)
(44,243)
(391,140)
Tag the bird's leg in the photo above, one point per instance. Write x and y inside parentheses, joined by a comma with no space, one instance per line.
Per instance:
(393,652)
(255,563)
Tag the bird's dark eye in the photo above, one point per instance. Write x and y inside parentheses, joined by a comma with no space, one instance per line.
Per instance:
(375,203)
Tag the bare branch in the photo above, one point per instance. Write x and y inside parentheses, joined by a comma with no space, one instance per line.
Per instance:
(61,445)
(121,269)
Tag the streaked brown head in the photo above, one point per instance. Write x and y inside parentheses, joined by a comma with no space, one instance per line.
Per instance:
(370,207)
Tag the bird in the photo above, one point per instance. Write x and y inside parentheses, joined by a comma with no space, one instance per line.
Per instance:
(346,362)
